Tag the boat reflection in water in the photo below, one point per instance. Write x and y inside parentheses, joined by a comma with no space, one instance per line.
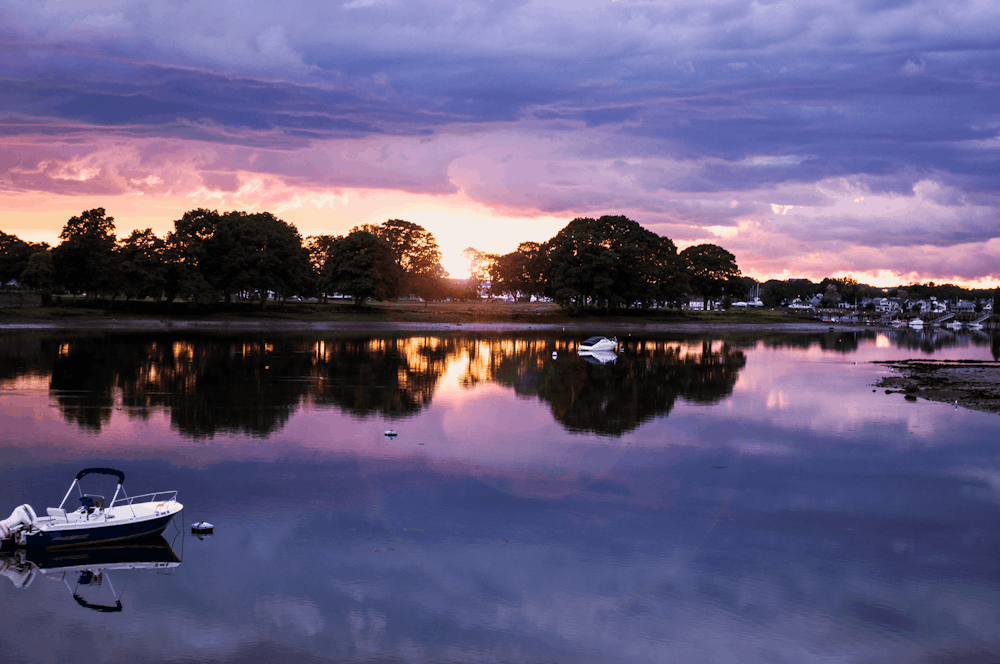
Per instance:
(87,572)
(598,356)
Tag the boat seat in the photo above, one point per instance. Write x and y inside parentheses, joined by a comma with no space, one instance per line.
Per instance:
(56,512)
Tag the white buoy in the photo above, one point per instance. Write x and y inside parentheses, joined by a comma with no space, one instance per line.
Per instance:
(390,433)
(554,355)
(202,528)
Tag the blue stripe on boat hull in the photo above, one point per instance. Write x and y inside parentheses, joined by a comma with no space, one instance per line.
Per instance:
(104,534)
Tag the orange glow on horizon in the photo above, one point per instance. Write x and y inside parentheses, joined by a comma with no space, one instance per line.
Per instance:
(456,222)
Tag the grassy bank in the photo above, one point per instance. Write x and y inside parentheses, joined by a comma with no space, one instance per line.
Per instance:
(67,309)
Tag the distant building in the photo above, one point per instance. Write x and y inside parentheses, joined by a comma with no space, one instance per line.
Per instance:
(887,305)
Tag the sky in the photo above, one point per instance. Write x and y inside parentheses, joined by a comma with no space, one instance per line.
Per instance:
(810,139)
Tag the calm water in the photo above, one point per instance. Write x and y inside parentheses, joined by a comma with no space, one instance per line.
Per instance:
(732,499)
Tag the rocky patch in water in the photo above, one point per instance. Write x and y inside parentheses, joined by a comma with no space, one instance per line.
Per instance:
(968,383)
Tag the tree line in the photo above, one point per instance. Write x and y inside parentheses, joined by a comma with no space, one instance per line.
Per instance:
(606,263)
(773,293)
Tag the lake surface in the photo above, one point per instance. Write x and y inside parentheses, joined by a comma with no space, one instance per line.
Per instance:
(743,498)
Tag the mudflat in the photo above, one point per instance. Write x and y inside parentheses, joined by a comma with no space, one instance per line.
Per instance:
(967,383)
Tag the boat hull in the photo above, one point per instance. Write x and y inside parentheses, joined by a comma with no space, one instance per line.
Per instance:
(604,345)
(55,538)
(146,553)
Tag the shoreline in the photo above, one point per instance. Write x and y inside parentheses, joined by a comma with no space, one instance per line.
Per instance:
(8,323)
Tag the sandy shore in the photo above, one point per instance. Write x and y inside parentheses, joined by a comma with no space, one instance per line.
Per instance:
(967,383)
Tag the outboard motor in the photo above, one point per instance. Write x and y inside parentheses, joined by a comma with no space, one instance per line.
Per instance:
(21,519)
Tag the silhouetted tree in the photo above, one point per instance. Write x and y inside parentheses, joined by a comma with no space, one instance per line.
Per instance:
(256,252)
(830,297)
(14,256)
(416,253)
(711,270)
(185,255)
(85,260)
(40,273)
(611,262)
(521,273)
(363,266)
(142,268)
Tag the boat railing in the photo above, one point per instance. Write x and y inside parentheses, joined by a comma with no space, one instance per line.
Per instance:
(130,501)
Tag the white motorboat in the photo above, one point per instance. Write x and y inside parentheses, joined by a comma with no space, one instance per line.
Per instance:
(916,323)
(974,326)
(594,344)
(954,325)
(95,521)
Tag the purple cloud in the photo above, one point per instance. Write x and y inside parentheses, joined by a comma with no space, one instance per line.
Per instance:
(668,112)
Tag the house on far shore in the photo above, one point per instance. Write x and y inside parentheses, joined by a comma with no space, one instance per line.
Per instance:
(964,307)
(799,304)
(888,305)
(931,306)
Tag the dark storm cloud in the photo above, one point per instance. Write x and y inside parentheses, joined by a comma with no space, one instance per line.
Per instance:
(693,114)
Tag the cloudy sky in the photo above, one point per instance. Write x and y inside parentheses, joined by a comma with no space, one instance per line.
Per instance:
(811,139)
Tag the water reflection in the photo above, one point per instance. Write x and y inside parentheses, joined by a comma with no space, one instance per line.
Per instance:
(252,384)
(927,340)
(87,573)
(806,514)
(395,377)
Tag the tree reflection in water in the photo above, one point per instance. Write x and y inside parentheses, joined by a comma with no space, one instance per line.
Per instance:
(394,377)
(251,384)
(616,397)
(208,385)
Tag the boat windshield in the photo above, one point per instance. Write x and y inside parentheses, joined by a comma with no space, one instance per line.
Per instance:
(591,341)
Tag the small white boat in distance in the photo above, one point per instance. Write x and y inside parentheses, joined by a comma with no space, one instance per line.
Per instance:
(594,344)
(974,326)
(954,325)
(916,323)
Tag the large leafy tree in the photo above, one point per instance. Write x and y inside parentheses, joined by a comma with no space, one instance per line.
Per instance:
(711,269)
(611,262)
(319,247)
(85,260)
(40,273)
(363,266)
(141,263)
(185,255)
(416,253)
(14,256)
(521,273)
(256,252)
